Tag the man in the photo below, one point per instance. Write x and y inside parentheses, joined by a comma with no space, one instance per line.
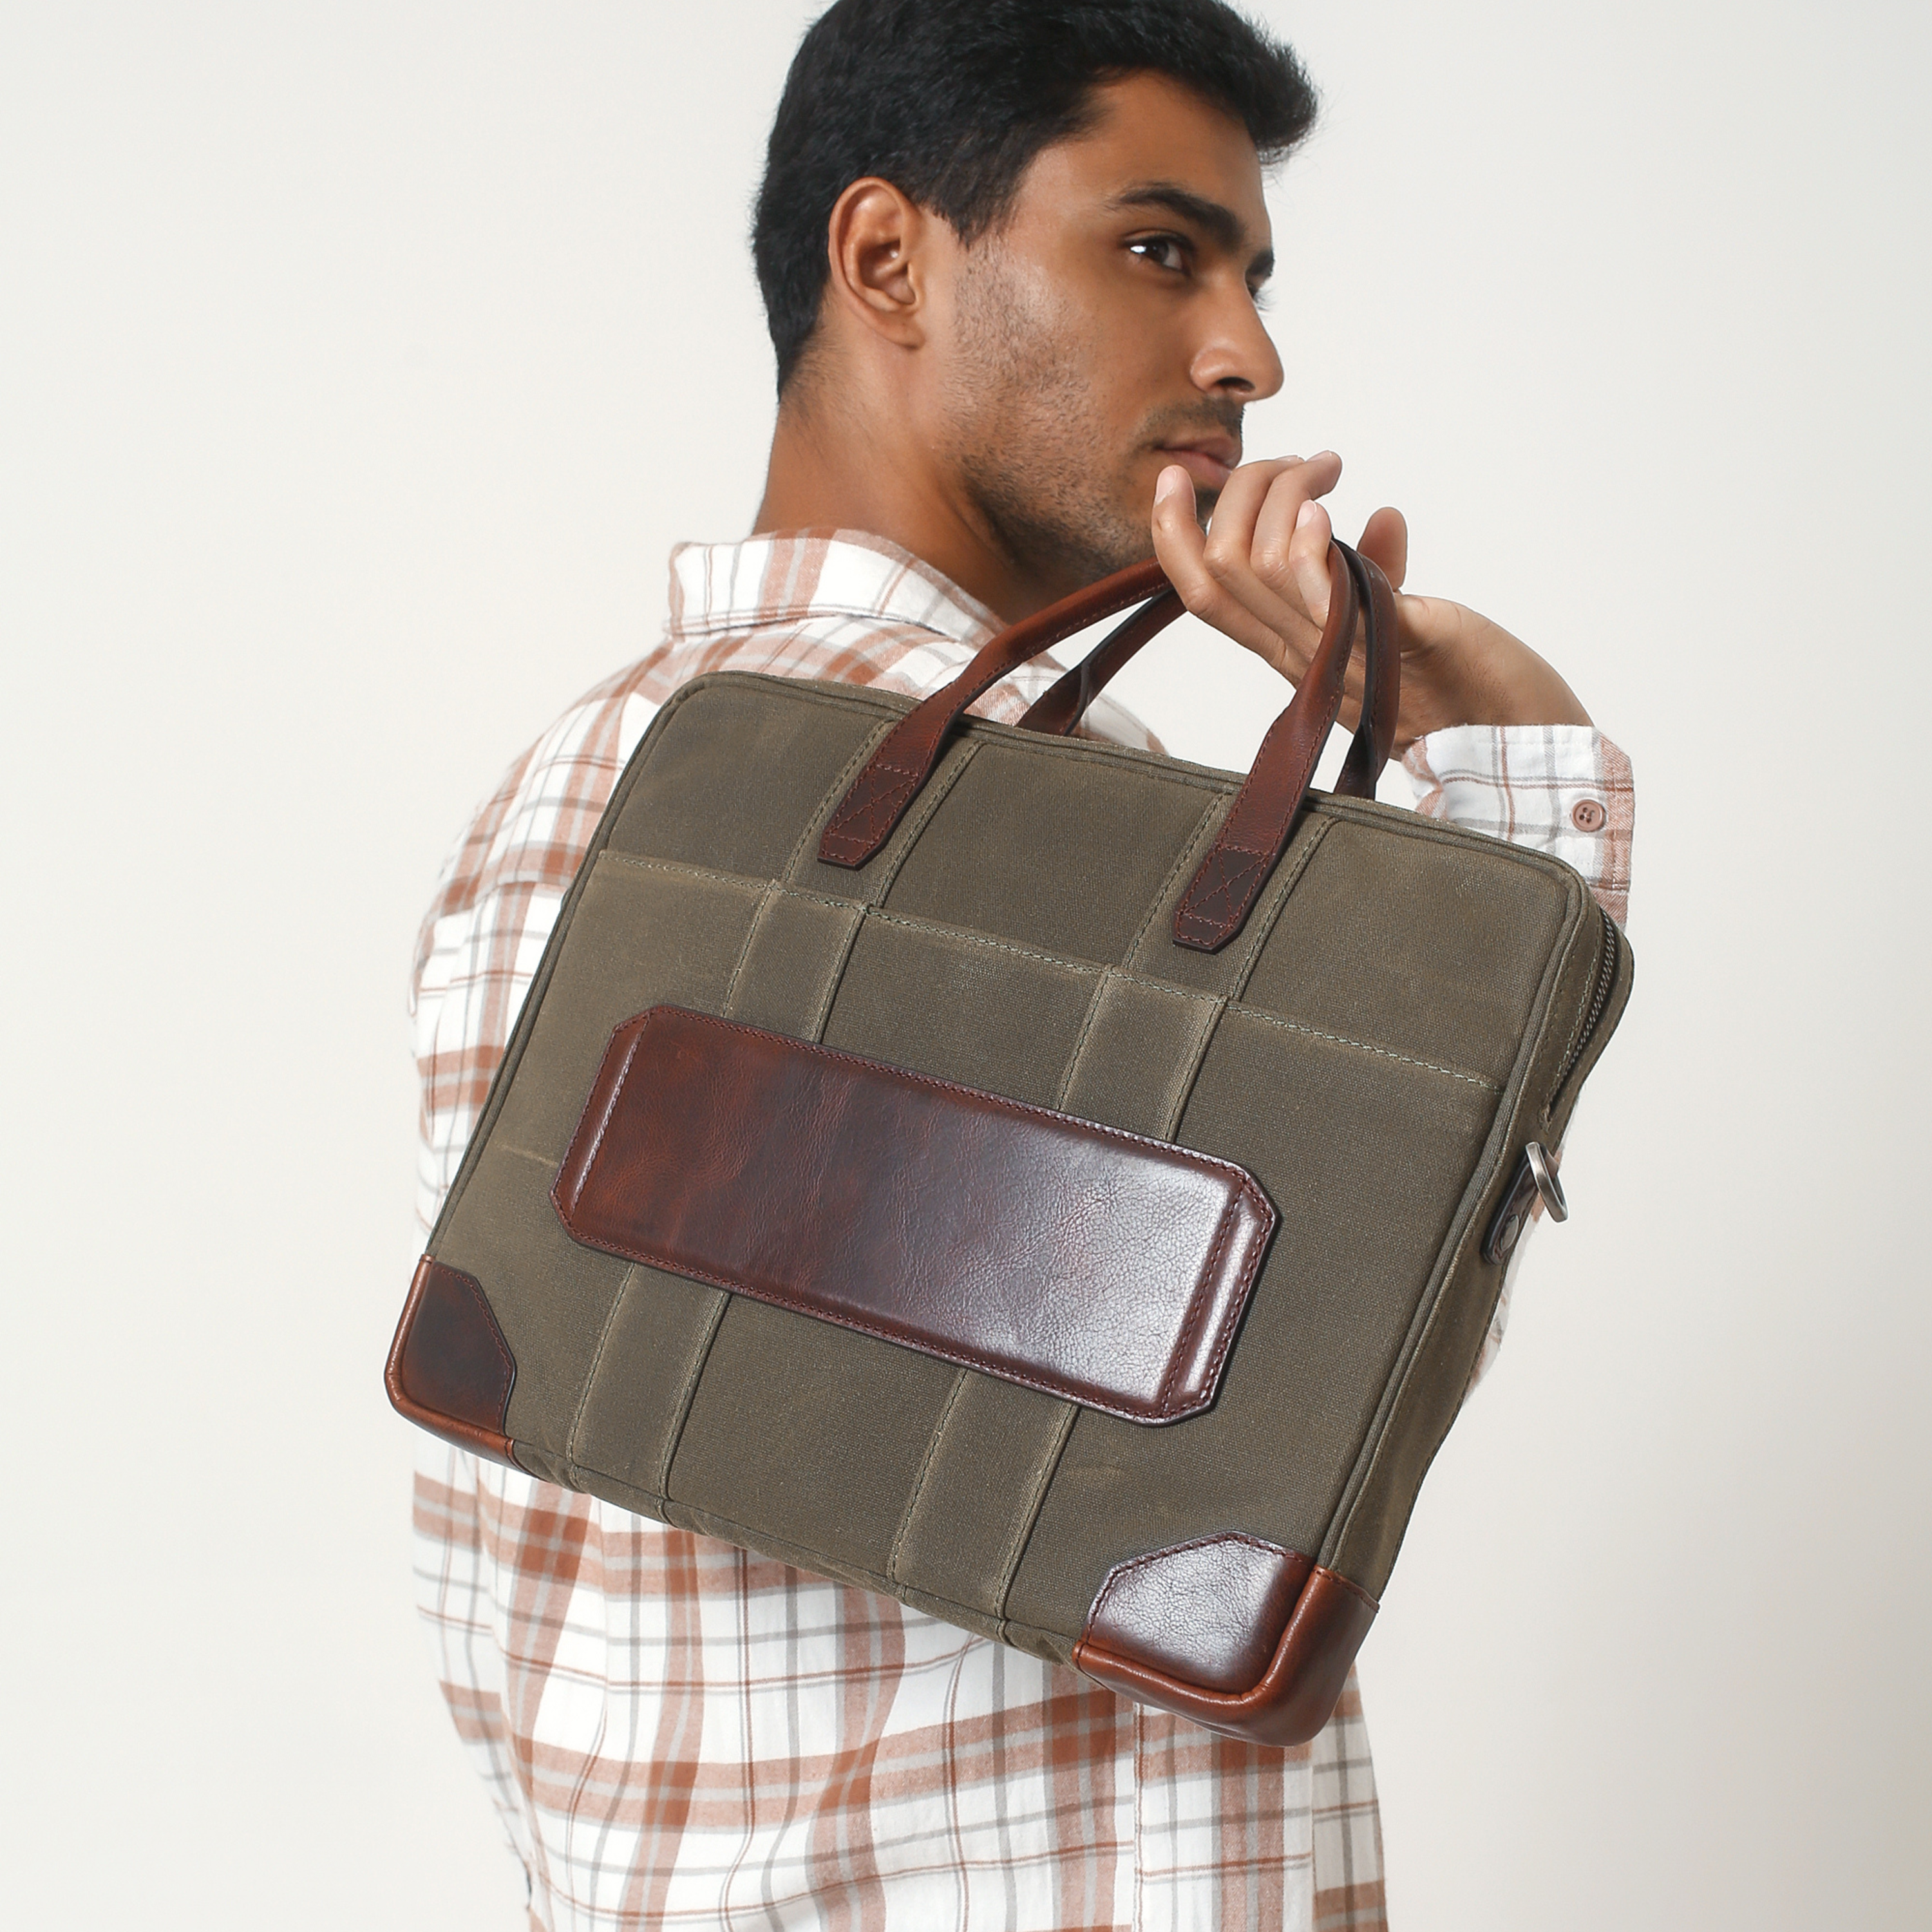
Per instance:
(1010,257)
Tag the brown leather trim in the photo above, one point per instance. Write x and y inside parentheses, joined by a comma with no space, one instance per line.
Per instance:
(1208,1612)
(1096,1265)
(1136,1640)
(450,1371)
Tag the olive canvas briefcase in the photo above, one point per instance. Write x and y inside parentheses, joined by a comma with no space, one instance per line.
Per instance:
(1061,1186)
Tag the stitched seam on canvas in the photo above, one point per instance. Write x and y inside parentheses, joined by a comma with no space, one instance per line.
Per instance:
(822,1018)
(572,1434)
(1167,986)
(1362,1046)
(688,1394)
(1268,915)
(959,932)
(1023,1529)
(1187,1076)
(909,920)
(741,880)
(762,886)
(765,903)
(1087,1025)
(925,1472)
(1185,862)
(946,774)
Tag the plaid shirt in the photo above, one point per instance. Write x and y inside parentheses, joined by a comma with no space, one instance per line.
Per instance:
(676,1733)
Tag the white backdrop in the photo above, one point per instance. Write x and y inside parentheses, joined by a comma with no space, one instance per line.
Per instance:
(359,364)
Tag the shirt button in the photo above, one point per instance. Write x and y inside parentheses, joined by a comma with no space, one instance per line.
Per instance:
(1587,815)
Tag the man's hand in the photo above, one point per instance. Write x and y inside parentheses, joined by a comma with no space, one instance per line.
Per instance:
(1260,573)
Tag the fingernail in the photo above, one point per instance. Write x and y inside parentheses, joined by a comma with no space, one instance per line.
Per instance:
(1172,481)
(1306,514)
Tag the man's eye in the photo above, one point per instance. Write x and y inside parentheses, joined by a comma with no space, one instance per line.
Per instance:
(1166,251)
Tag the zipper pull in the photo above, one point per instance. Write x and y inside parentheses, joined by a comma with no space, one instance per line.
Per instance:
(1535,1176)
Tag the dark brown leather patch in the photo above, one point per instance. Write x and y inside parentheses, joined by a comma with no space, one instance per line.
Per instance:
(1094,1264)
(1133,1641)
(1209,1612)
(450,1370)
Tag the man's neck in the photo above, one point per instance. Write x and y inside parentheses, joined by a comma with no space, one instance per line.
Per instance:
(854,475)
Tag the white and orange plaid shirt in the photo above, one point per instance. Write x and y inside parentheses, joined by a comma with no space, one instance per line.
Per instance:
(678,1734)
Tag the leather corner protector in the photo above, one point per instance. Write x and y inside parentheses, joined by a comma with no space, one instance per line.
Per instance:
(450,1371)
(1232,1633)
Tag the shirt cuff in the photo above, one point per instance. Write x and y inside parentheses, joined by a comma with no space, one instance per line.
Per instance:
(1562,789)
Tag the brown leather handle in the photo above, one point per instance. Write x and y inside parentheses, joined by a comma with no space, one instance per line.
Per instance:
(1258,823)
(1254,833)
(1059,709)
(891,781)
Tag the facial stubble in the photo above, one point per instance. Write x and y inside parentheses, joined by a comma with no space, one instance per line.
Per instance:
(1029,441)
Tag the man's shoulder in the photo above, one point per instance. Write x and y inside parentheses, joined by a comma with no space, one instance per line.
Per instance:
(533,827)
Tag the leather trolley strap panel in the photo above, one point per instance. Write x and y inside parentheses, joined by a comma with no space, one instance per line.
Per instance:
(1094,1265)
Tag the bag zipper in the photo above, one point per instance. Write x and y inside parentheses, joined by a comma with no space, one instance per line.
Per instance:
(1600,998)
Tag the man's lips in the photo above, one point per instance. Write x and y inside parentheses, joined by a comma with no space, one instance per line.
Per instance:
(1210,460)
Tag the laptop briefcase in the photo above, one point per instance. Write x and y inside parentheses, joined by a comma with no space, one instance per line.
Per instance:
(1059,1186)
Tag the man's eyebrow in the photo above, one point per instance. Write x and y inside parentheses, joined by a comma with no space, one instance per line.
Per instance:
(1221,225)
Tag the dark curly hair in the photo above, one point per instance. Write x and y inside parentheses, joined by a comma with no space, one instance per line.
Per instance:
(949,100)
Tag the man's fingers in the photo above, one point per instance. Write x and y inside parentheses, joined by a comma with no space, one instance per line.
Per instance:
(1256,515)
(1308,559)
(1385,542)
(1179,544)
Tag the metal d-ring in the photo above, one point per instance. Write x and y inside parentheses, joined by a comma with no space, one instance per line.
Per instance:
(1547,1185)
(1535,1178)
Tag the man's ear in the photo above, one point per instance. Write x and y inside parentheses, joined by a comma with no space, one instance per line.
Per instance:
(880,244)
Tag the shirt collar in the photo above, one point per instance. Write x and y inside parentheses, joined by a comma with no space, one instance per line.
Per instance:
(764,581)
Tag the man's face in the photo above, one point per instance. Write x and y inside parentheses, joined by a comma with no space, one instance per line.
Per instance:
(1108,328)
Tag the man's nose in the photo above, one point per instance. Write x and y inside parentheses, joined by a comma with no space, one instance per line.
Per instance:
(1236,357)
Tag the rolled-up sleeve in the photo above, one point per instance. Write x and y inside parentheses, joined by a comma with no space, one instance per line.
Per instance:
(1563,789)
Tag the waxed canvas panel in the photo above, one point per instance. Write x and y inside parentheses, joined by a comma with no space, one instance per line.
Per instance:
(732,787)
(1063,853)
(548,1293)
(645,930)
(1137,1056)
(962,1008)
(972,1507)
(790,964)
(1321,1050)
(1382,941)
(647,1359)
(807,1431)
(1328,1124)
